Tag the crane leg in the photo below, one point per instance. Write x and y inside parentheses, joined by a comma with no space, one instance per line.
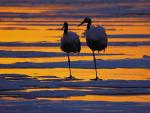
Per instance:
(69,66)
(95,67)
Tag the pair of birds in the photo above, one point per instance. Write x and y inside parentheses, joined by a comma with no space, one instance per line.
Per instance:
(96,39)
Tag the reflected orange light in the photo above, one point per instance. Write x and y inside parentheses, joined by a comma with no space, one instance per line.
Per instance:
(34,9)
(47,29)
(86,74)
(135,98)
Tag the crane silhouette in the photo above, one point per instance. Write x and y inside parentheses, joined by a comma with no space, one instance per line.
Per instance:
(70,43)
(96,39)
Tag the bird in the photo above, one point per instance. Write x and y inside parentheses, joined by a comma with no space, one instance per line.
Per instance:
(96,39)
(70,43)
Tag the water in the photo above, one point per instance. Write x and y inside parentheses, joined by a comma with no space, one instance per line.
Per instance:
(35,29)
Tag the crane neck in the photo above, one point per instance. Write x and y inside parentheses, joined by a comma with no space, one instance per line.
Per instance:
(89,24)
(65,29)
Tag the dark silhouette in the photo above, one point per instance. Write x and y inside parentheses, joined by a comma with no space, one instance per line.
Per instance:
(96,39)
(70,43)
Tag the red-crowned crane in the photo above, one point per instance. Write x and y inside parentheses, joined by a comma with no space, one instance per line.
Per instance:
(70,43)
(96,39)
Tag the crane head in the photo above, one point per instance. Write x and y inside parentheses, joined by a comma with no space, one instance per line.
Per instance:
(86,20)
(65,25)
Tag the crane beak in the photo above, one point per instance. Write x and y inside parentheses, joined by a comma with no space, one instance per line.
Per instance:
(81,23)
(62,28)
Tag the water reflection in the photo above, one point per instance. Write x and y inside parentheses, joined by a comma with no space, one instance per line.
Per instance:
(86,74)
(41,21)
(137,98)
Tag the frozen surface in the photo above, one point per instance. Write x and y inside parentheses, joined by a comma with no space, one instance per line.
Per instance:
(45,106)
(119,63)
(23,87)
